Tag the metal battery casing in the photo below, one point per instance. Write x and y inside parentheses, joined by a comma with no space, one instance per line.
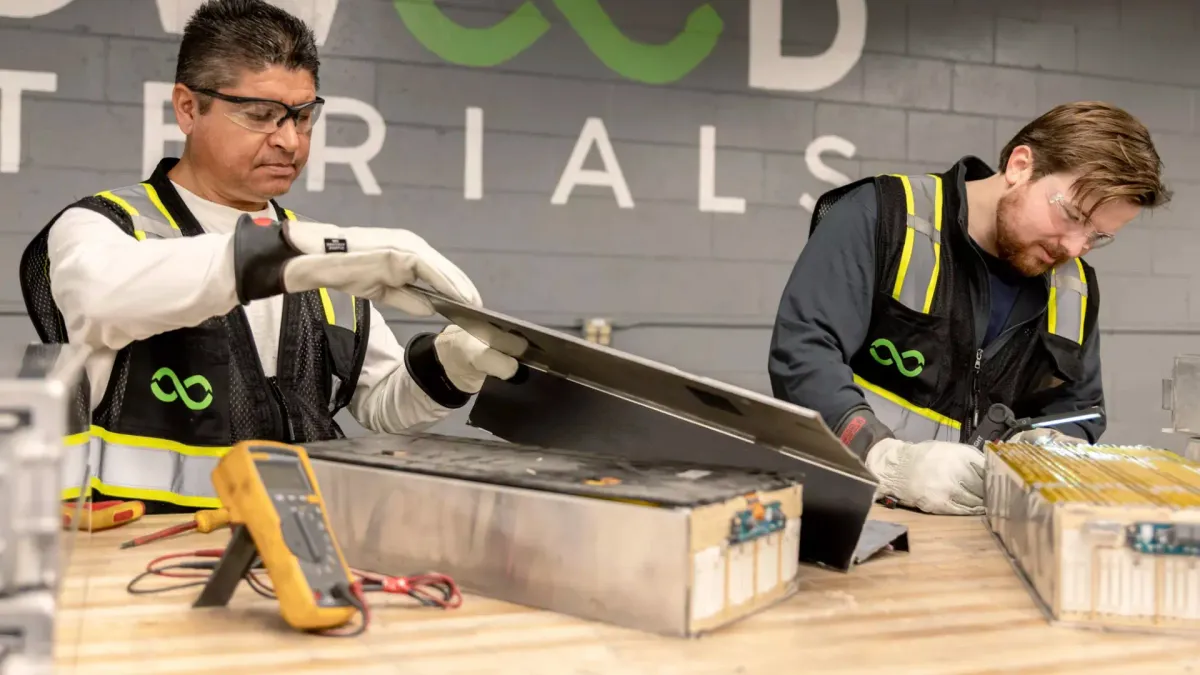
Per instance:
(44,410)
(572,394)
(569,532)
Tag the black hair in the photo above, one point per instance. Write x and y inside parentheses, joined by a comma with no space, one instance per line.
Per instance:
(224,37)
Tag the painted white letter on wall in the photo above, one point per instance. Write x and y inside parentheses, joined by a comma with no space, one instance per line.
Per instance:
(610,176)
(812,157)
(473,155)
(770,69)
(358,156)
(12,83)
(709,201)
(318,14)
(156,133)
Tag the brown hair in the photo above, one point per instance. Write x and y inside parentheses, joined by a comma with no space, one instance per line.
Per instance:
(1110,150)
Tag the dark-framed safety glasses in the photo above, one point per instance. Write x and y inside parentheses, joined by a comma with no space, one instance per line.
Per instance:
(265,115)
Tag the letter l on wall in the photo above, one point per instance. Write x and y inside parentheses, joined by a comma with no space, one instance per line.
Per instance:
(709,200)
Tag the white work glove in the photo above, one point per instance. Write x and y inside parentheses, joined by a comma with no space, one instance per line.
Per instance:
(375,263)
(468,361)
(933,476)
(1045,435)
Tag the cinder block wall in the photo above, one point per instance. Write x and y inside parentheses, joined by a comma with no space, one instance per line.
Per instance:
(687,279)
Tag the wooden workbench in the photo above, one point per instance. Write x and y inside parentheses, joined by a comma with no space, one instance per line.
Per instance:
(952,605)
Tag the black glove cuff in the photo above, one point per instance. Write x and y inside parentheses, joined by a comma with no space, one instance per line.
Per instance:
(420,358)
(860,430)
(259,254)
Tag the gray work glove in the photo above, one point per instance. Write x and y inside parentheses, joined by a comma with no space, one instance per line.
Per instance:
(468,361)
(376,263)
(933,476)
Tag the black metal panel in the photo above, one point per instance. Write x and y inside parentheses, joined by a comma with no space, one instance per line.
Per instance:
(771,423)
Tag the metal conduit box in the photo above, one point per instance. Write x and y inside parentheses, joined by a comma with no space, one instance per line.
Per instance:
(43,417)
(1181,395)
(662,547)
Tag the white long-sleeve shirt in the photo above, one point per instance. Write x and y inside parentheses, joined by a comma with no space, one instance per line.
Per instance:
(113,290)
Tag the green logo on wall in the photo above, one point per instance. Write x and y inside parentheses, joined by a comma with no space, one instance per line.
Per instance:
(493,45)
(179,389)
(894,357)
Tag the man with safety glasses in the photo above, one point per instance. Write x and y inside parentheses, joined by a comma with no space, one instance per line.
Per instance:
(215,313)
(921,300)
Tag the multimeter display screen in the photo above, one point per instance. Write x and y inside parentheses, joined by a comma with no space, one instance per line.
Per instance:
(283,476)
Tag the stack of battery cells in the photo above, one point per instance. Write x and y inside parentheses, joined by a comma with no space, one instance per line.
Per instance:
(1105,536)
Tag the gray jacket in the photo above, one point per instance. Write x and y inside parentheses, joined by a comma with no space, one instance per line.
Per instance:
(825,312)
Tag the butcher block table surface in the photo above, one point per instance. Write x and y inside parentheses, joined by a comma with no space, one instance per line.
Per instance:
(952,605)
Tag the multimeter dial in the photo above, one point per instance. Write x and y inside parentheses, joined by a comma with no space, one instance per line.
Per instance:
(302,524)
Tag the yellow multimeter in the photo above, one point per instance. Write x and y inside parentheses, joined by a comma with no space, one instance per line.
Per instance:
(279,515)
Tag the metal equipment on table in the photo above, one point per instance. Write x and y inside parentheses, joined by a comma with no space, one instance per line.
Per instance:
(999,424)
(282,546)
(577,395)
(279,515)
(670,548)
(1103,536)
(43,419)
(1181,395)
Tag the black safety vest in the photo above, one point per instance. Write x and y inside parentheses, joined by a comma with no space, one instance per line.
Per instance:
(919,367)
(177,401)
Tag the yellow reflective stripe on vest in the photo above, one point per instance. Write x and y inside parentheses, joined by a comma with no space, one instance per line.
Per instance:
(908,422)
(125,205)
(1068,300)
(142,467)
(340,309)
(73,469)
(150,218)
(152,195)
(920,258)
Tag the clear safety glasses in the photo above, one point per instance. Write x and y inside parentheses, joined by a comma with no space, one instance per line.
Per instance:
(266,116)
(1075,221)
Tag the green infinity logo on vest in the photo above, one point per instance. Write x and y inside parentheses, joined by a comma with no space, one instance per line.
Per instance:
(495,44)
(179,390)
(895,357)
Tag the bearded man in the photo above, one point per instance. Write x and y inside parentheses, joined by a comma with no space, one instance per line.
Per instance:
(921,300)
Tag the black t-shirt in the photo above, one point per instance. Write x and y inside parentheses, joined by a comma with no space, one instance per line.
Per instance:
(1006,284)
